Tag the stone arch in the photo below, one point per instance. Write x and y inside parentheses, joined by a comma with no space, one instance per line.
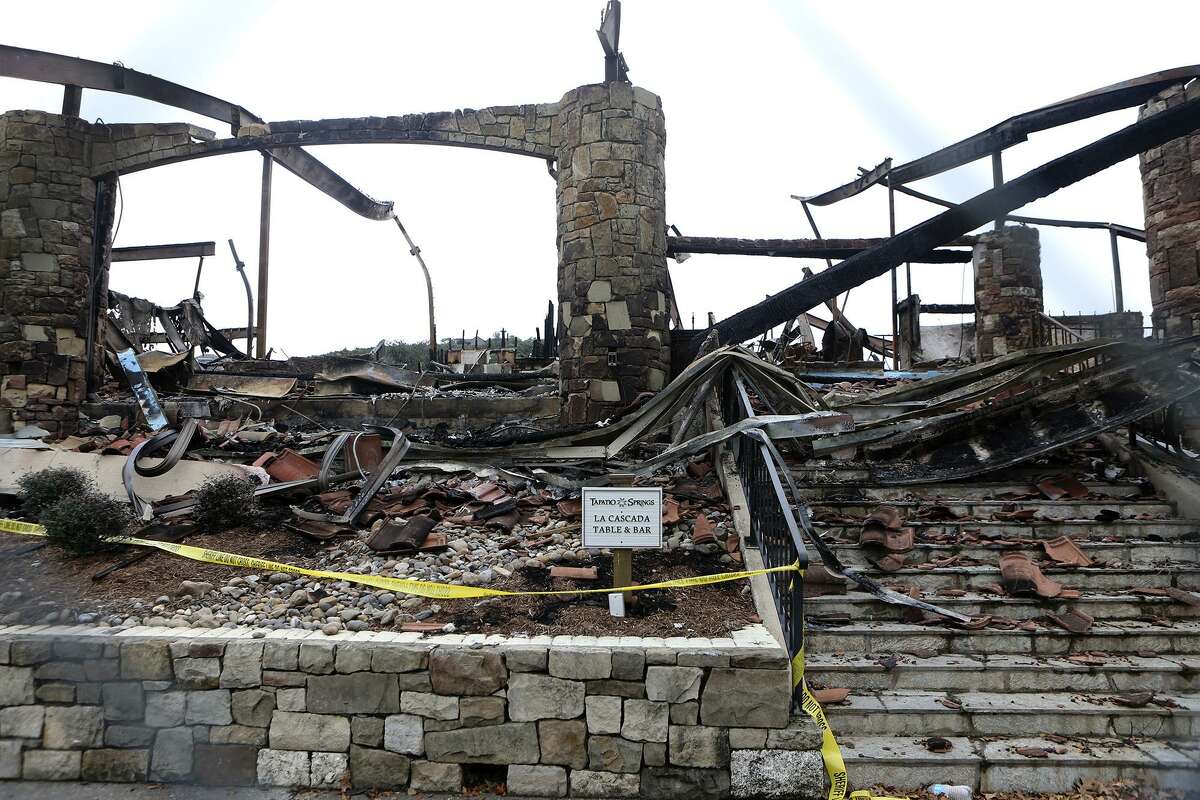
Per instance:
(525,130)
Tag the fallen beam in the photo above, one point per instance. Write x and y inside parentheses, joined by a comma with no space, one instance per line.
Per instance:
(800,248)
(153,252)
(37,65)
(979,210)
(155,337)
(1137,234)
(1040,420)
(1013,131)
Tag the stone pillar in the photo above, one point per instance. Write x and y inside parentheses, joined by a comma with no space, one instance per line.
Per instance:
(612,249)
(1008,290)
(1171,194)
(47,207)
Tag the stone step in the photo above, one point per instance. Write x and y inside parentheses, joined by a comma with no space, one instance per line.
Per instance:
(904,763)
(1128,636)
(1183,575)
(1100,606)
(1136,552)
(816,486)
(931,713)
(1006,673)
(1131,552)
(983,509)
(1165,529)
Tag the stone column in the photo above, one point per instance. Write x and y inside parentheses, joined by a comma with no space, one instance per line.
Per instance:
(46,220)
(1008,290)
(1171,194)
(612,249)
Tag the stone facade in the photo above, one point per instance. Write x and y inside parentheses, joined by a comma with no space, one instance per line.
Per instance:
(607,141)
(1008,290)
(587,717)
(612,249)
(1171,194)
(46,220)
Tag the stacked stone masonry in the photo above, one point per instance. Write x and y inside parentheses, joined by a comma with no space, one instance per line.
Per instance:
(522,130)
(612,249)
(607,144)
(1171,193)
(654,718)
(46,222)
(1008,290)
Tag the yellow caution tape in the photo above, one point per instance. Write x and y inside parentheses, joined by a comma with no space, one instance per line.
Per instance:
(442,591)
(831,752)
(16,526)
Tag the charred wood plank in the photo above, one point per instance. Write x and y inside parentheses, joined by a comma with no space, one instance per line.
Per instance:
(979,210)
(152,252)
(1137,234)
(864,181)
(947,308)
(799,248)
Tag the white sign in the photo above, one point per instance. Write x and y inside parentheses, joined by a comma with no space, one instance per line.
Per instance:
(622,516)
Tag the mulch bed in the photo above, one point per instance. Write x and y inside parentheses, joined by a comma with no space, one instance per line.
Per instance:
(50,580)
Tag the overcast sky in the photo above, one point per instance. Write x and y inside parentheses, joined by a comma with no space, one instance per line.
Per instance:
(762,100)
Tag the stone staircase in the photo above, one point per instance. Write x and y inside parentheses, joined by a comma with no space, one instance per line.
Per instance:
(1036,687)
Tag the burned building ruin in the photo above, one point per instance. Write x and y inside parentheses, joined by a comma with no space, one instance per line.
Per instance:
(974,546)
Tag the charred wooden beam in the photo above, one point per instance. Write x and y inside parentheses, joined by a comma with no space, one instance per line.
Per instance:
(152,252)
(1016,129)
(800,248)
(947,308)
(37,65)
(864,181)
(161,338)
(954,222)
(1137,234)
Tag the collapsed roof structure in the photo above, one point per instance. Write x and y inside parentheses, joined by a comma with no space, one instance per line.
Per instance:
(895,482)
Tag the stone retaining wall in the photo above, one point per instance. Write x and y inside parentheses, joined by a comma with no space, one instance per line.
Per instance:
(549,717)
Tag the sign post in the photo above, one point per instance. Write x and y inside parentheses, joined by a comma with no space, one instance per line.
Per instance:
(622,517)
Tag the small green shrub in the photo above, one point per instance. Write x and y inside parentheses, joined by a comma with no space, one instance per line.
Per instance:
(226,501)
(40,490)
(79,522)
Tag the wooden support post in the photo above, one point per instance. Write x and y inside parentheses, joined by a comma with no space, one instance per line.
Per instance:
(998,180)
(72,100)
(264,252)
(623,556)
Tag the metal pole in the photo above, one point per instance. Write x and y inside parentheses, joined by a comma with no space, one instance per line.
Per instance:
(264,252)
(895,299)
(416,251)
(1116,259)
(241,268)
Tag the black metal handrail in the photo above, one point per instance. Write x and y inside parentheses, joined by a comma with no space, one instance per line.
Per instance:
(773,526)
(1164,430)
